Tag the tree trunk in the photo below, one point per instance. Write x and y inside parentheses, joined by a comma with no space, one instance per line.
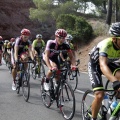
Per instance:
(116,11)
(104,7)
(109,12)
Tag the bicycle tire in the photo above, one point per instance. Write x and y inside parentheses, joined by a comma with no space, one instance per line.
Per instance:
(26,86)
(72,80)
(86,103)
(33,73)
(18,89)
(66,101)
(42,71)
(45,95)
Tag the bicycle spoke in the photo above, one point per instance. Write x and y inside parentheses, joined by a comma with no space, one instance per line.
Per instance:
(67,101)
(26,86)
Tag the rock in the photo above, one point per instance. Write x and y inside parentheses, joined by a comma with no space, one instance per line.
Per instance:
(14,16)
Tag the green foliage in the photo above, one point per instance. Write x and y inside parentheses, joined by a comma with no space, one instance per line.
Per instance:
(76,26)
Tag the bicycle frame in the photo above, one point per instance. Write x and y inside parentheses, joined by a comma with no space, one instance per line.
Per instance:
(115,112)
(54,93)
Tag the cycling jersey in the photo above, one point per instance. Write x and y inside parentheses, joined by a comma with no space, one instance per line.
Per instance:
(107,49)
(23,46)
(9,45)
(38,45)
(52,44)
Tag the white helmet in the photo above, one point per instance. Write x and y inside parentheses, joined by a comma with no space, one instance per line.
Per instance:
(69,37)
(6,41)
(38,36)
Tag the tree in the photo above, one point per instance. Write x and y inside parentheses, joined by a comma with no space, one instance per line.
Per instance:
(109,12)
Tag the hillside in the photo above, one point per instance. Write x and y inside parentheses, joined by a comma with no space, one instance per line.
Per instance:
(82,53)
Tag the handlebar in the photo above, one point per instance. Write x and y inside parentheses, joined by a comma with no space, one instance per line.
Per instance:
(111,92)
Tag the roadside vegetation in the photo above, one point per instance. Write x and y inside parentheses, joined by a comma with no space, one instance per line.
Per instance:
(83,27)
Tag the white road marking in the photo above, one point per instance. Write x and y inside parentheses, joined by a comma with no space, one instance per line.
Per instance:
(80,91)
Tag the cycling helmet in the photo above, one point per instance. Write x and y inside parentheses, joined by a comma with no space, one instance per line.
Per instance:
(25,32)
(1,38)
(12,39)
(61,33)
(38,36)
(115,29)
(6,41)
(69,37)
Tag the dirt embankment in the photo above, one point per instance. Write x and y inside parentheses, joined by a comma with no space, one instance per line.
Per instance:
(82,53)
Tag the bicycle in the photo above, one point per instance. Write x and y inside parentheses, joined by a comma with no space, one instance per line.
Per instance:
(23,79)
(103,112)
(39,68)
(72,76)
(62,93)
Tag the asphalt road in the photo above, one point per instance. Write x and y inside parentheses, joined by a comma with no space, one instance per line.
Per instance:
(13,106)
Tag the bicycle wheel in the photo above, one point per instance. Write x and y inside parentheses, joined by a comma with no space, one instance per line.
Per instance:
(26,86)
(42,71)
(86,103)
(18,89)
(33,73)
(72,80)
(45,95)
(66,101)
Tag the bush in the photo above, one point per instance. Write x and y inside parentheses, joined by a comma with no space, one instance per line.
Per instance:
(76,26)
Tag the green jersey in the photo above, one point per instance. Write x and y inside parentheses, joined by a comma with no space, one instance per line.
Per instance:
(37,44)
(107,49)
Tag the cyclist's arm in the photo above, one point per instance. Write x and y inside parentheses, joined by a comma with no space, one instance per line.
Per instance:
(30,52)
(62,57)
(105,69)
(16,52)
(72,58)
(47,53)
(33,47)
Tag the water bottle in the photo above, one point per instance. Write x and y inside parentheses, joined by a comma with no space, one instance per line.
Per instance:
(112,107)
(105,102)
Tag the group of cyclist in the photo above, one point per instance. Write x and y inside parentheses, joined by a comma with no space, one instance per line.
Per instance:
(102,58)
(22,49)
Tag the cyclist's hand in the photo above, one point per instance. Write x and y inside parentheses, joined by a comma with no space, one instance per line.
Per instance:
(54,69)
(116,85)
(73,68)
(34,62)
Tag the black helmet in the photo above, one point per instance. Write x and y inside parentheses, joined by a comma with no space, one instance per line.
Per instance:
(115,29)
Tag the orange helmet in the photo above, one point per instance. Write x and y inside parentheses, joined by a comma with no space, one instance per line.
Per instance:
(25,32)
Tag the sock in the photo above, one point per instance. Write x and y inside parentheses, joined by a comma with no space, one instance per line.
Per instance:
(94,119)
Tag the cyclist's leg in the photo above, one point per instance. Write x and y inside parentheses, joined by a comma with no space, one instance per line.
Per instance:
(0,57)
(24,57)
(97,85)
(14,70)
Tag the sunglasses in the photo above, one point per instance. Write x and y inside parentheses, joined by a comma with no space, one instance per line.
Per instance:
(61,37)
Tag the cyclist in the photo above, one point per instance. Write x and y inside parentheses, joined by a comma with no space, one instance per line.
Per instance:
(50,57)
(5,49)
(9,47)
(102,61)
(1,49)
(22,50)
(38,45)
(68,40)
